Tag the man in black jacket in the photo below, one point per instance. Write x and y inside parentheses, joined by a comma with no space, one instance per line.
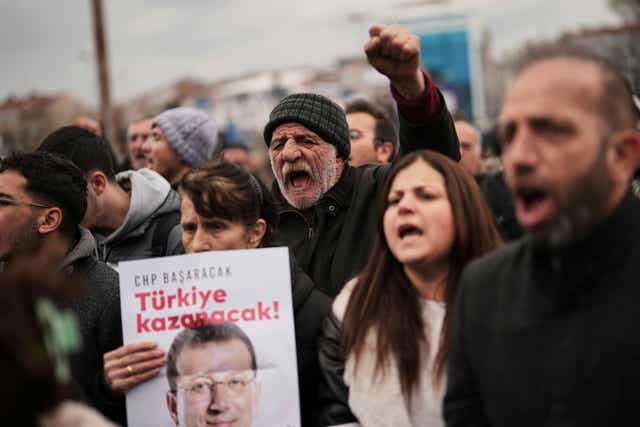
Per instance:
(43,198)
(327,208)
(545,329)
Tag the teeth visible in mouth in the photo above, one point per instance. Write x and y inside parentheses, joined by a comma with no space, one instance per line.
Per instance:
(298,179)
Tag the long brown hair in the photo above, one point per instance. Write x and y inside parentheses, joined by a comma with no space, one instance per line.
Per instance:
(385,299)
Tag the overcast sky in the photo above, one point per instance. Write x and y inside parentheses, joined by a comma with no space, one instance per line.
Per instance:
(47,46)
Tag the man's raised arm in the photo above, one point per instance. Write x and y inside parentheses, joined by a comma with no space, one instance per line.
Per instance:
(424,119)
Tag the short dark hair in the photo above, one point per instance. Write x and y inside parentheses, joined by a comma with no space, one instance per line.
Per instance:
(84,148)
(52,180)
(386,130)
(615,101)
(225,190)
(201,335)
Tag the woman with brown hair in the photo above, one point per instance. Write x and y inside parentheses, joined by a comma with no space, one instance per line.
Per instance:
(223,207)
(384,347)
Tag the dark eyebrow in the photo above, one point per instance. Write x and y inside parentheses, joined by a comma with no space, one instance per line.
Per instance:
(7,196)
(549,122)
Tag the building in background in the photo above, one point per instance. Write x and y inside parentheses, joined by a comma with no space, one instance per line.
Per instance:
(24,122)
(452,43)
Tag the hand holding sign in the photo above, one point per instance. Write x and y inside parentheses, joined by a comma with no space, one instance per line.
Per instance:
(132,364)
(395,52)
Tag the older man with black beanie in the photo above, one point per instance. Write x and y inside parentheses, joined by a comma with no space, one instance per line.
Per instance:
(327,208)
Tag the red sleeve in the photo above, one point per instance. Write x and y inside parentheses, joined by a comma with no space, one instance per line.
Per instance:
(423,109)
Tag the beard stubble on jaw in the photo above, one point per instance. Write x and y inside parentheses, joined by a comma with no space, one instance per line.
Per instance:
(327,179)
(25,241)
(586,201)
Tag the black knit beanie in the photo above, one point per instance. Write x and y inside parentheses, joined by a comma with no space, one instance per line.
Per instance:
(319,114)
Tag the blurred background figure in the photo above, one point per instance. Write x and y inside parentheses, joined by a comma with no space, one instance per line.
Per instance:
(137,134)
(89,124)
(37,340)
(488,174)
(373,134)
(235,148)
(470,147)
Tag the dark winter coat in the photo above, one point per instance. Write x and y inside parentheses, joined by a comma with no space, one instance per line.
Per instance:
(332,242)
(549,337)
(98,313)
(310,307)
(500,201)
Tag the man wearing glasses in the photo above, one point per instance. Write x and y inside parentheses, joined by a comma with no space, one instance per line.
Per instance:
(212,377)
(373,135)
(43,198)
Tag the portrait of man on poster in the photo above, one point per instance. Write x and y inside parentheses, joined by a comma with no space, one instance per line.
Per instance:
(211,372)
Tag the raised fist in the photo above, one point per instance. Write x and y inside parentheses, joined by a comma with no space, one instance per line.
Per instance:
(395,52)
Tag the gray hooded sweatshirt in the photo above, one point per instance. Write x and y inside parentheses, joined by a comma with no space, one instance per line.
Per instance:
(154,207)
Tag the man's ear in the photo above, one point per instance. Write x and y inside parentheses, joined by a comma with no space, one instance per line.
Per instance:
(172,405)
(97,181)
(49,220)
(624,155)
(257,233)
(384,152)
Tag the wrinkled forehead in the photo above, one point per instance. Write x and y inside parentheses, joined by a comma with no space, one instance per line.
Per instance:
(143,125)
(554,85)
(293,128)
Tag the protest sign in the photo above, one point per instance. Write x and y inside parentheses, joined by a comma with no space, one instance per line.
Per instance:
(228,316)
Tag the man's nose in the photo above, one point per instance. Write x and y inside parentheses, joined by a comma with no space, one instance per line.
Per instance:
(218,401)
(291,151)
(522,153)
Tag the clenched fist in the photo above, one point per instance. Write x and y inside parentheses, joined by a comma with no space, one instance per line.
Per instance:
(395,52)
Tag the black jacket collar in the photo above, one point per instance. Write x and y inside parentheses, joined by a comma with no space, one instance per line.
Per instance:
(563,273)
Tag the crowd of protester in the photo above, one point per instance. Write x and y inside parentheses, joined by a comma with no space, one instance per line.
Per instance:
(427,289)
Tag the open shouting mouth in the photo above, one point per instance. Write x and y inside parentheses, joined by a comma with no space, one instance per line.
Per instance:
(409,230)
(297,175)
(533,205)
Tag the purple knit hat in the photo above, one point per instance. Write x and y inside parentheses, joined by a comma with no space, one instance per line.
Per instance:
(190,133)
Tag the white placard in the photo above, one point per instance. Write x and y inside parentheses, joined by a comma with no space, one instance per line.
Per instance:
(160,297)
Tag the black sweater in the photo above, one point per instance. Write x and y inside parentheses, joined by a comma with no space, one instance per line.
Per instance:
(98,313)
(549,337)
